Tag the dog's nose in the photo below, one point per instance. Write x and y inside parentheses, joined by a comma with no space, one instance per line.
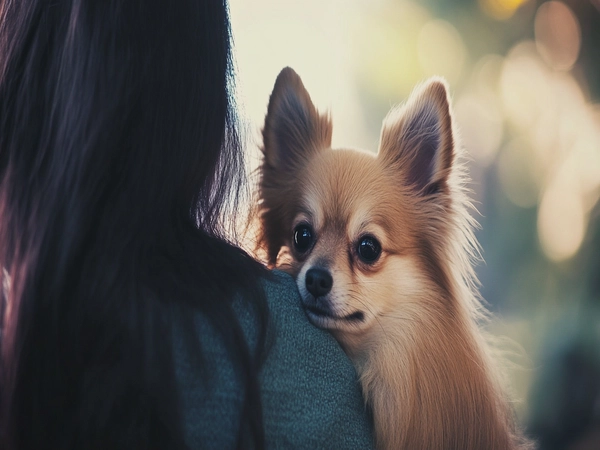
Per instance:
(318,282)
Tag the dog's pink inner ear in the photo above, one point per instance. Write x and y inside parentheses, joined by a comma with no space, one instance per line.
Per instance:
(417,139)
(422,136)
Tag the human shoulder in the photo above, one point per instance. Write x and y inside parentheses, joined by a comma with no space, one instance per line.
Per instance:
(310,390)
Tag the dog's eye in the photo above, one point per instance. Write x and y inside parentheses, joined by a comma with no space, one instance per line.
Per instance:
(368,249)
(303,237)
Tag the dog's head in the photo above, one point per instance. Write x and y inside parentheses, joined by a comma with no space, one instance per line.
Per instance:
(363,233)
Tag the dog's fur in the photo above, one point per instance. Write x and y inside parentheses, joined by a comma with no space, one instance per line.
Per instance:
(409,321)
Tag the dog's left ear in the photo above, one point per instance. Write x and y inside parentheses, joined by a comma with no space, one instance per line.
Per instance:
(417,138)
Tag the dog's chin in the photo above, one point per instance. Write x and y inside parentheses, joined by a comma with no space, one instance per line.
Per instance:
(330,320)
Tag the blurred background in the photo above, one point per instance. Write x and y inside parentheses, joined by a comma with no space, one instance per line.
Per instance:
(525,83)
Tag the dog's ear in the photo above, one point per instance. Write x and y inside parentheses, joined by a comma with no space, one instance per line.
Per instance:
(293,132)
(417,138)
(293,129)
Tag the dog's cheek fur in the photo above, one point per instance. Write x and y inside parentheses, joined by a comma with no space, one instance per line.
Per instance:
(398,291)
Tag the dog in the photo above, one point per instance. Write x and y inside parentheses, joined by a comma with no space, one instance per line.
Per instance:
(382,250)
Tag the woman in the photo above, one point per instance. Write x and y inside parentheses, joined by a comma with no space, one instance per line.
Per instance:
(128,320)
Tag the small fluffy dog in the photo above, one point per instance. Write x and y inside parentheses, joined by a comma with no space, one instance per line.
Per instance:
(381,250)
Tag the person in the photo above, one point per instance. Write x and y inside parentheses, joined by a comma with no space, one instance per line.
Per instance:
(129,318)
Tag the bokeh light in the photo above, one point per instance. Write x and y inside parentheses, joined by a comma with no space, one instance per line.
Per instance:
(517,173)
(561,219)
(441,50)
(501,9)
(481,126)
(557,35)
(523,85)
(385,57)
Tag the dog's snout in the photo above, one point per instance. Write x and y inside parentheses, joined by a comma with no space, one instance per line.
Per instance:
(318,282)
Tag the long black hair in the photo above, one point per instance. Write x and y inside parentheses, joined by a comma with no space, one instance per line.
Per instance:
(119,161)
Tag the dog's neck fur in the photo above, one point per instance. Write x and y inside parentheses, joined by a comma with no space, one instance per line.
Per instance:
(429,379)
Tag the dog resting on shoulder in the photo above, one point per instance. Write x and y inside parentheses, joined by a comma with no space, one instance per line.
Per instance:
(381,249)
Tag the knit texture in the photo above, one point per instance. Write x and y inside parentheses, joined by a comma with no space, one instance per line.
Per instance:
(310,392)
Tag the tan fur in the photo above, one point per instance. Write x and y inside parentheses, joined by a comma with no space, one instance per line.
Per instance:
(423,362)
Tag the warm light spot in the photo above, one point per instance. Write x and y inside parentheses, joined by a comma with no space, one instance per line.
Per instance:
(480,125)
(557,35)
(573,118)
(517,174)
(524,86)
(441,50)
(561,118)
(561,218)
(500,9)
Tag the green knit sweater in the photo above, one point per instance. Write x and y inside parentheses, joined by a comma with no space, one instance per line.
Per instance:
(310,392)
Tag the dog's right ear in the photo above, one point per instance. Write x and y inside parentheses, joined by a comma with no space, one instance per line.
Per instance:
(293,129)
